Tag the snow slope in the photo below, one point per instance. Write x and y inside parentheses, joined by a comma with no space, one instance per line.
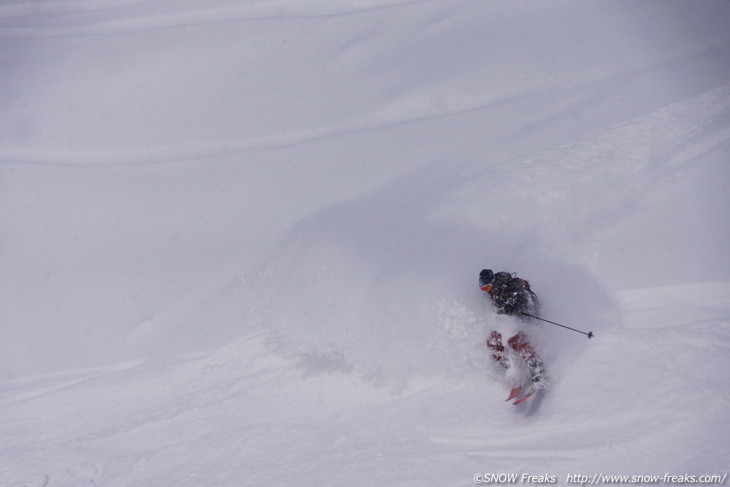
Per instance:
(240,240)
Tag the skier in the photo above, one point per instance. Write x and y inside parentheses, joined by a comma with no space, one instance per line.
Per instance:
(513,296)
(510,294)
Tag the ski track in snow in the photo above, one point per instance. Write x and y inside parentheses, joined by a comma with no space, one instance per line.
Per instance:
(240,241)
(716,110)
(73,13)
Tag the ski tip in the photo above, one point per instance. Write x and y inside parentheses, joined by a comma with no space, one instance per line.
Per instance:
(514,393)
(529,394)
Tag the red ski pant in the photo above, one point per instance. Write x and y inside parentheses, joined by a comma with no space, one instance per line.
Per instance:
(518,343)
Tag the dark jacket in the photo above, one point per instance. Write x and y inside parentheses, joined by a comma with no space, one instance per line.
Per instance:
(511,294)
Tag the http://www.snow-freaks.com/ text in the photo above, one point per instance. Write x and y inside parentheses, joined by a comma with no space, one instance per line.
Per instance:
(599,479)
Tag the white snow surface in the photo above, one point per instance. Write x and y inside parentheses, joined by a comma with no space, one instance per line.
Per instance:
(240,240)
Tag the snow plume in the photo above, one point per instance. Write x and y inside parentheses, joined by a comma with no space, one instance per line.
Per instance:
(377,285)
(380,285)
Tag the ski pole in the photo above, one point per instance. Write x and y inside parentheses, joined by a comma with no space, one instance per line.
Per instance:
(589,334)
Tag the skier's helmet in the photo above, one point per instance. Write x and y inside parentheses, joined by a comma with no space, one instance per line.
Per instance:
(486,279)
